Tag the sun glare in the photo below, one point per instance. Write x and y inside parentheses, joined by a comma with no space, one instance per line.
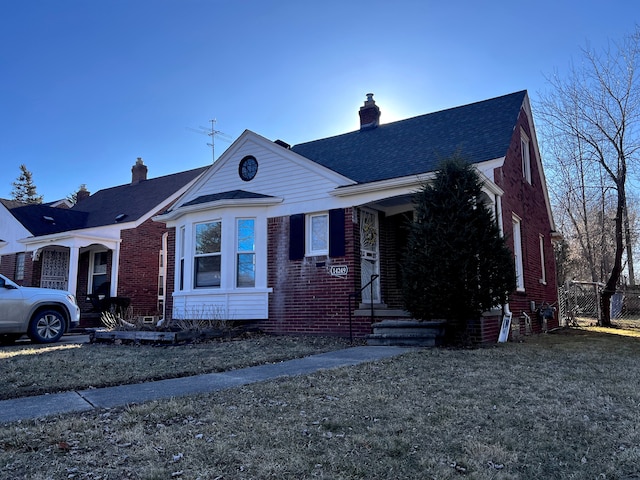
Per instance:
(35,350)
(615,331)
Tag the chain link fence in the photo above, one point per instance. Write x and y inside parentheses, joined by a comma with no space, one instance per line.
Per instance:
(579,303)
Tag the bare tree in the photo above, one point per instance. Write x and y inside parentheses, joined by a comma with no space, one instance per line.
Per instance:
(597,106)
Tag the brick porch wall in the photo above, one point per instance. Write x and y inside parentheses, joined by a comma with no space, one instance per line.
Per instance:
(139,266)
(306,299)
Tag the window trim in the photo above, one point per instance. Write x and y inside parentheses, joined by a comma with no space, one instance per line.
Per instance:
(196,255)
(309,251)
(20,265)
(543,275)
(92,273)
(525,146)
(239,252)
(517,252)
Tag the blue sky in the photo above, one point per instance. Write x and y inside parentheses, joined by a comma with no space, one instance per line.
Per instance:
(87,86)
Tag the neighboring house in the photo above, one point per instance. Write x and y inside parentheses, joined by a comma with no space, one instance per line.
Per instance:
(283,235)
(106,243)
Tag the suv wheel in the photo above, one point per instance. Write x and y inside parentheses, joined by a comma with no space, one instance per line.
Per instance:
(46,326)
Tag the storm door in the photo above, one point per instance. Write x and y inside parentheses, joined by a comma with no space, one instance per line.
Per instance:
(55,269)
(369,255)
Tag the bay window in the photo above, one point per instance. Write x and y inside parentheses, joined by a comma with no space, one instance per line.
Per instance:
(246,253)
(207,261)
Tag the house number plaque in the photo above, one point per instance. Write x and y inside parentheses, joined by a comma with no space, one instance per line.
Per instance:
(338,270)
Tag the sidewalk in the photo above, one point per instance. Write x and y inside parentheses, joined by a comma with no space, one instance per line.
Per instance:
(110,397)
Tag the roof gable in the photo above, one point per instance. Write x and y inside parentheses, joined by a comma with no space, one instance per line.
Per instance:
(478,132)
(280,173)
(42,219)
(130,202)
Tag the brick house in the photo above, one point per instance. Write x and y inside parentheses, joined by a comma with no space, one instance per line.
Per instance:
(282,235)
(106,243)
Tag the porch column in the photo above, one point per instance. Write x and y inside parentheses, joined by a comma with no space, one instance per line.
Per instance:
(115,267)
(74,257)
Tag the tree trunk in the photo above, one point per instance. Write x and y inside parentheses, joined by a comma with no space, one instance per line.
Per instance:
(612,283)
(629,245)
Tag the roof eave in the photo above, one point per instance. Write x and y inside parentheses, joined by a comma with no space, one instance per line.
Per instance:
(411,182)
(229,202)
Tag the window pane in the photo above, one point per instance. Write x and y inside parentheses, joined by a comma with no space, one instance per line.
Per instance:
(246,270)
(319,233)
(100,263)
(208,238)
(19,267)
(246,235)
(207,272)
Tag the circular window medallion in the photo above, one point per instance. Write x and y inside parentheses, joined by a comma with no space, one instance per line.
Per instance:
(248,168)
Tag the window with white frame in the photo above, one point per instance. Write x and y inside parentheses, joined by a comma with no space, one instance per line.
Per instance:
(526,157)
(19,273)
(98,271)
(181,248)
(162,272)
(246,252)
(517,251)
(543,275)
(317,234)
(208,258)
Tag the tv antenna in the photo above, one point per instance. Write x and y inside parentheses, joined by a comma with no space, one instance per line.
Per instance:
(213,133)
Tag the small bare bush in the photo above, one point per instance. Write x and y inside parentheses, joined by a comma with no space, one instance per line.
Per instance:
(202,317)
(119,321)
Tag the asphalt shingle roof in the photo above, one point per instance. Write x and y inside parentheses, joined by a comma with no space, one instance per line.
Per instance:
(133,200)
(477,132)
(230,195)
(102,208)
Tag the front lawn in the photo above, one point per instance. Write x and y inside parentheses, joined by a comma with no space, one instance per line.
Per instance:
(558,406)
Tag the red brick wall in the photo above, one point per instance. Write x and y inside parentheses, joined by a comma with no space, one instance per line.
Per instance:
(8,266)
(527,202)
(305,298)
(139,264)
(31,270)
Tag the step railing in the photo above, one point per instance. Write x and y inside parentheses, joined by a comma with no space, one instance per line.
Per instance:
(354,295)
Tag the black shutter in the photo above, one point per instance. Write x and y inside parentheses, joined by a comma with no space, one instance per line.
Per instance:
(336,233)
(296,236)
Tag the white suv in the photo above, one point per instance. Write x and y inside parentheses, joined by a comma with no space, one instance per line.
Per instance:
(42,313)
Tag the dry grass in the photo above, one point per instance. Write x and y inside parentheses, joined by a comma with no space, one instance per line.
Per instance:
(560,406)
(37,369)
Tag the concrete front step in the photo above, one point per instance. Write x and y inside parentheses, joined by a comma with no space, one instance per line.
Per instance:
(407,333)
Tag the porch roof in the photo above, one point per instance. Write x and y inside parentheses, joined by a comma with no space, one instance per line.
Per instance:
(230,195)
(477,132)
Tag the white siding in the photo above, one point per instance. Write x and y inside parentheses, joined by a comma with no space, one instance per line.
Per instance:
(251,305)
(11,231)
(281,173)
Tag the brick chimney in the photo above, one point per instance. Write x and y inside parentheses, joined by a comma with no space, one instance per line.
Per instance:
(369,114)
(138,171)
(82,193)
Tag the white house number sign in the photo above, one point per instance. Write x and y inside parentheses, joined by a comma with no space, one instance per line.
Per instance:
(338,270)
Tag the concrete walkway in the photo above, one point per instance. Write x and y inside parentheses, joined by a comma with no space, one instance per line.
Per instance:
(109,397)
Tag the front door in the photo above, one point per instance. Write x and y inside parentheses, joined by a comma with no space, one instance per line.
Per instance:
(55,269)
(369,255)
